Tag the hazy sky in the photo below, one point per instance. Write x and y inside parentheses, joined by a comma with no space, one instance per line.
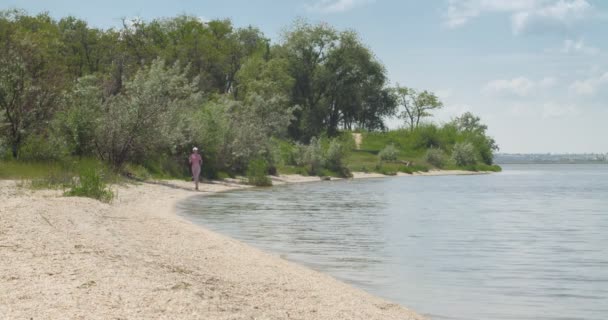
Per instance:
(536,71)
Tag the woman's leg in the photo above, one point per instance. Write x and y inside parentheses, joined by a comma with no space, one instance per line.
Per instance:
(196,172)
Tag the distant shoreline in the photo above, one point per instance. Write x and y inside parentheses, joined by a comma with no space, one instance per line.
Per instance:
(553,162)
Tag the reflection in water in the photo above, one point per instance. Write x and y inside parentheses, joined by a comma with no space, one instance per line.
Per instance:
(529,243)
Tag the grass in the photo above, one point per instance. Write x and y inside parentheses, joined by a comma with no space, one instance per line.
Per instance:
(24,170)
(81,177)
(287,169)
(367,160)
(91,184)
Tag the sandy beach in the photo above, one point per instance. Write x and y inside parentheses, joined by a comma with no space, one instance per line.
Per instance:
(77,258)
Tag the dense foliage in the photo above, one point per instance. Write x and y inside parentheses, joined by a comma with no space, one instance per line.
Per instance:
(141,96)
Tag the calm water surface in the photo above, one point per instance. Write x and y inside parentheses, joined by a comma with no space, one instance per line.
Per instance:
(528,243)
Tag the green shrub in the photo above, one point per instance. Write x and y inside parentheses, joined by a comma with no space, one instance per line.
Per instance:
(221,175)
(336,153)
(435,157)
(91,184)
(311,156)
(484,167)
(137,172)
(257,173)
(56,178)
(414,168)
(389,153)
(426,136)
(464,154)
(41,148)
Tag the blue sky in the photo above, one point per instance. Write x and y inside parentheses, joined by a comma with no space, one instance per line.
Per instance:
(536,71)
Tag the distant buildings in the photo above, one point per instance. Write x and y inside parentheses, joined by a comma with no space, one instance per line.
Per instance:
(507,158)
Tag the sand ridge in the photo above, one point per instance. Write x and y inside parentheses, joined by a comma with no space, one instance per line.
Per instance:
(77,258)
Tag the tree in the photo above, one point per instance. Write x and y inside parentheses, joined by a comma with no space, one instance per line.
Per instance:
(416,105)
(468,122)
(307,48)
(31,75)
(77,121)
(266,78)
(146,118)
(337,81)
(472,130)
(80,46)
(357,96)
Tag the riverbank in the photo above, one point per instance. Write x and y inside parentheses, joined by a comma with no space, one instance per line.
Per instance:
(63,257)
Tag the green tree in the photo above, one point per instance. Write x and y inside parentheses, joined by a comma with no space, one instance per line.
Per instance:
(338,81)
(472,130)
(416,105)
(146,118)
(31,74)
(77,121)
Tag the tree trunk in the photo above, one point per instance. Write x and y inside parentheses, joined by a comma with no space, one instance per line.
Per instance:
(15,149)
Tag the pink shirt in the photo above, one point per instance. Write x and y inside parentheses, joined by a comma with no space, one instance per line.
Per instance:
(196,160)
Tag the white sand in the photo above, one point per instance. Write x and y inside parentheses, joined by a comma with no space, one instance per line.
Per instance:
(76,258)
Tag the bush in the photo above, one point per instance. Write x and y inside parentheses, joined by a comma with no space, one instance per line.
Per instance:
(484,167)
(147,116)
(137,172)
(77,121)
(323,157)
(41,148)
(385,170)
(91,184)
(389,153)
(414,168)
(257,173)
(464,154)
(334,157)
(426,136)
(310,156)
(435,157)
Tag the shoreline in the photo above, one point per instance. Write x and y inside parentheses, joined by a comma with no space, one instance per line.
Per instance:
(137,258)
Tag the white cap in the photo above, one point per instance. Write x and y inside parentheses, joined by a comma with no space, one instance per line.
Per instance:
(195,149)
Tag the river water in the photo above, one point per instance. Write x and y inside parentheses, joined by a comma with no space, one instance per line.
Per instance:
(528,243)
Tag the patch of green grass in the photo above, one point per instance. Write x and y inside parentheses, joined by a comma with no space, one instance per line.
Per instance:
(27,170)
(476,167)
(91,183)
(414,168)
(221,175)
(361,161)
(55,179)
(166,167)
(136,172)
(484,167)
(287,169)
(83,177)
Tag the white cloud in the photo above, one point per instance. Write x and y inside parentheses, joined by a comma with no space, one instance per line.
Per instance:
(461,11)
(520,86)
(589,86)
(545,111)
(552,110)
(561,14)
(526,15)
(579,46)
(334,6)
